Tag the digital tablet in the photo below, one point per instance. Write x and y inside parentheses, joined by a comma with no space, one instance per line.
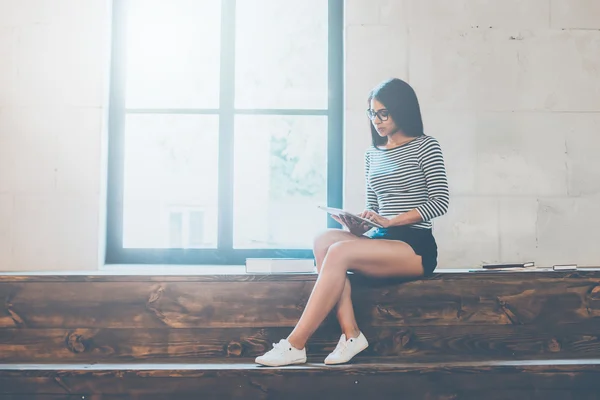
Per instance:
(339,212)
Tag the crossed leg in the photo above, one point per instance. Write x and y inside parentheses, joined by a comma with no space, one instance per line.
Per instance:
(345,310)
(346,252)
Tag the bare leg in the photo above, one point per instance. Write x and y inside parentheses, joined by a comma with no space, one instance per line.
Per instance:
(378,258)
(345,313)
(345,310)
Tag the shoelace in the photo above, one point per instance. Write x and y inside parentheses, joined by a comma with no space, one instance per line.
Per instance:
(341,347)
(279,347)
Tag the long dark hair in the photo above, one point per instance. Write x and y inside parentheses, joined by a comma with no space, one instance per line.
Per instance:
(401,101)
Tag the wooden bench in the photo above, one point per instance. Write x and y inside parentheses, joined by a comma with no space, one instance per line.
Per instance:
(530,333)
(367,380)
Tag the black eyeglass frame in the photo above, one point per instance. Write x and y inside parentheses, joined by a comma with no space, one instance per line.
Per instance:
(383,114)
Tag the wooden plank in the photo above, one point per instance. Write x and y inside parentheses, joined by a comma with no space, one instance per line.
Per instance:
(44,396)
(181,305)
(495,300)
(407,393)
(132,385)
(237,274)
(151,305)
(196,275)
(409,343)
(356,381)
(524,395)
(130,396)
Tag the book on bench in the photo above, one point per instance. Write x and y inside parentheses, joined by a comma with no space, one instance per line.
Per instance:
(507,266)
(280,265)
(517,267)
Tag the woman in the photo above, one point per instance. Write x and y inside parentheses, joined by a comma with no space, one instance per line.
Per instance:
(406,189)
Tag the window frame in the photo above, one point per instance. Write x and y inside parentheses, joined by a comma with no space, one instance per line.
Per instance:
(224,254)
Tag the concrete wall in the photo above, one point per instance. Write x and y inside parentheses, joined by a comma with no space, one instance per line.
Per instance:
(54,64)
(512,91)
(510,88)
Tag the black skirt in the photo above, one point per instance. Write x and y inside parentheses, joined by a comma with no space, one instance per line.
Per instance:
(421,240)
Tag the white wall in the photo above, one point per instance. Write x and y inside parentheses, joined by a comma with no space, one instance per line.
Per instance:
(54,58)
(510,88)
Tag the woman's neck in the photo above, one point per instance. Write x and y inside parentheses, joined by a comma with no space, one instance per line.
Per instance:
(397,139)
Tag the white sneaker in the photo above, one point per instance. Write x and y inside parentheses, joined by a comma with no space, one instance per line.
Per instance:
(346,349)
(282,353)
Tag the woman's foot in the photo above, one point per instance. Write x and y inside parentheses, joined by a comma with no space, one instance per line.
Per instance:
(346,349)
(282,353)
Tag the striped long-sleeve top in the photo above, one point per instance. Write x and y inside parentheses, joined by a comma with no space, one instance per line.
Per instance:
(411,176)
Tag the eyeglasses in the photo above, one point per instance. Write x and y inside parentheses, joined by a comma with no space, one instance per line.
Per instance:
(383,114)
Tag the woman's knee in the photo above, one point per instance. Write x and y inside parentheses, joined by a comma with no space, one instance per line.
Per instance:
(339,253)
(340,249)
(325,239)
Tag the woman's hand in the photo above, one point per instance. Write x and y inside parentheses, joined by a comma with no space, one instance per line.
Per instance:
(356,227)
(373,216)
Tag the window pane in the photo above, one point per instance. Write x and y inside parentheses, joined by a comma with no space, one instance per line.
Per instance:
(196,230)
(281,54)
(175,230)
(171,167)
(280,179)
(173,54)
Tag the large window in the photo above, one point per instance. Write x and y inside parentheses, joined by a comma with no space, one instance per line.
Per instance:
(225,128)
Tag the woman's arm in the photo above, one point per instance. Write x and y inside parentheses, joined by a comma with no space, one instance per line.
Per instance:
(431,162)
(407,218)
